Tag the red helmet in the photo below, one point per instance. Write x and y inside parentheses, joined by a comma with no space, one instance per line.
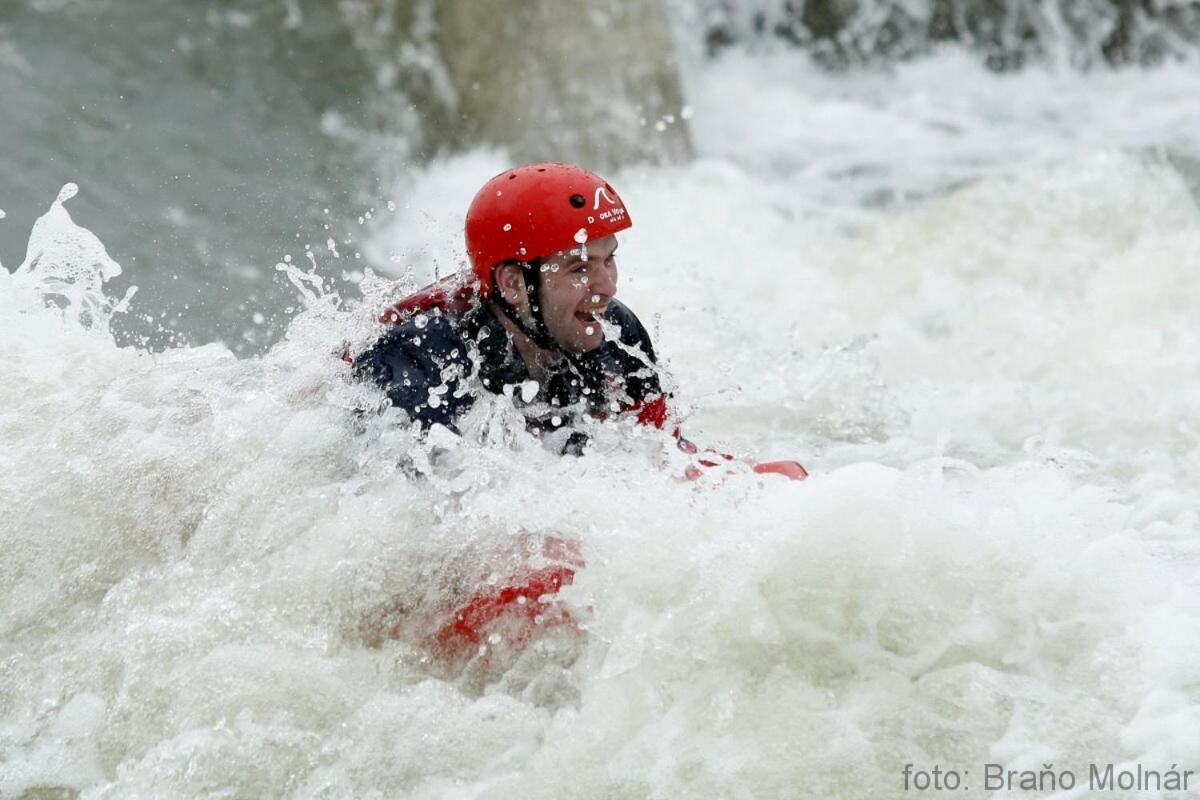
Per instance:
(534,211)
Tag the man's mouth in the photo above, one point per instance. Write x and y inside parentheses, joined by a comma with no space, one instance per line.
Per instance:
(590,317)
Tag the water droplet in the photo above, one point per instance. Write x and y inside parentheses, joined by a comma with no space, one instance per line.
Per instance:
(68,191)
(581,235)
(494,639)
(508,226)
(589,330)
(556,420)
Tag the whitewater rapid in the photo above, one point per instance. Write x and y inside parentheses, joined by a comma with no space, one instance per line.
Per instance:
(969,310)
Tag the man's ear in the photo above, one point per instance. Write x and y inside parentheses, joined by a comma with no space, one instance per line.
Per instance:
(510,281)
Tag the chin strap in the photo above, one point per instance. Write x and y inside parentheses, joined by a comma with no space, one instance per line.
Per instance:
(538,333)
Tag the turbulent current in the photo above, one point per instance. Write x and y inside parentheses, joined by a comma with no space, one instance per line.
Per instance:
(967,302)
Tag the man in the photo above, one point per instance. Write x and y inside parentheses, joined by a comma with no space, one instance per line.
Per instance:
(539,324)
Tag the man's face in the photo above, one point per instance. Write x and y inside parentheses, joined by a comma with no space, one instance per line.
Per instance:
(576,286)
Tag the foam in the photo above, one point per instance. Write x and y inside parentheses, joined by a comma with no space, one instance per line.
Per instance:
(993,561)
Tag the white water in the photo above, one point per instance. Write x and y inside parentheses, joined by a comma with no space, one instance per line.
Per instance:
(994,386)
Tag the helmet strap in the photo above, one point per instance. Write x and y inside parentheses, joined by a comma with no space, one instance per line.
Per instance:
(538,333)
(582,367)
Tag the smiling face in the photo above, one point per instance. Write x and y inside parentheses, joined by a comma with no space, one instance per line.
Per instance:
(576,286)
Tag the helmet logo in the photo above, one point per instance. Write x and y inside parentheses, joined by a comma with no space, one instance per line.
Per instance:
(615,212)
(601,191)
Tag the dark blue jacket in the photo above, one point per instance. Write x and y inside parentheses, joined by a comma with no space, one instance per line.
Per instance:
(435,365)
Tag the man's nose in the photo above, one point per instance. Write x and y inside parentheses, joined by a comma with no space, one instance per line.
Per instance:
(603,281)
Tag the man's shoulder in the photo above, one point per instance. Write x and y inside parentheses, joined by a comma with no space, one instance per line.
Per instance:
(633,332)
(420,365)
(433,338)
(621,314)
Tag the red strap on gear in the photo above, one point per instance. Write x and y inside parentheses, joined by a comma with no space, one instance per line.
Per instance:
(454,293)
(516,606)
(519,608)
(653,413)
(792,470)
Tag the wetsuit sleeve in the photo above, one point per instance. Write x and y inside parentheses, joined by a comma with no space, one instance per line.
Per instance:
(424,374)
(633,332)
(638,363)
(650,402)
